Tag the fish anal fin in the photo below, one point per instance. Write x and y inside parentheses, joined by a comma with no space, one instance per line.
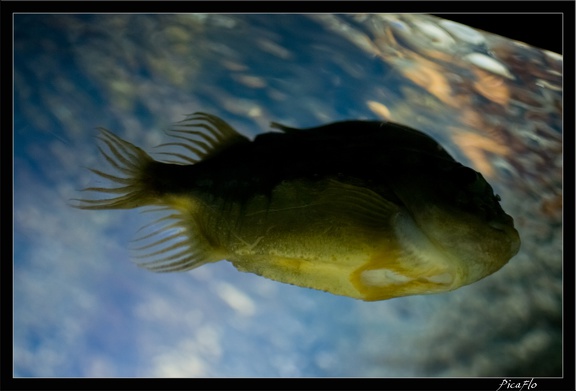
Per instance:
(176,243)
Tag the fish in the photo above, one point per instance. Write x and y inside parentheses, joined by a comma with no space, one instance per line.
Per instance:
(369,210)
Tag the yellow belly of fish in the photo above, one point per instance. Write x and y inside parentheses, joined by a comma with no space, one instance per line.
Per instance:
(306,244)
(374,273)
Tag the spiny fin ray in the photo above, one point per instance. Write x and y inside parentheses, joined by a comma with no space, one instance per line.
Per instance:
(284,128)
(208,134)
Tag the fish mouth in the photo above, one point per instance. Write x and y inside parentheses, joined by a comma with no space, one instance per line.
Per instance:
(497,225)
(511,234)
(505,226)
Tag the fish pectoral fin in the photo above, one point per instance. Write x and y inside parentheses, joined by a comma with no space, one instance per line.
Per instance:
(358,205)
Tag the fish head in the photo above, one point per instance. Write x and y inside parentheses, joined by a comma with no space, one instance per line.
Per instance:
(457,212)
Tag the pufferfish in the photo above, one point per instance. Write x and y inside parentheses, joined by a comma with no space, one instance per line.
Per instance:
(365,209)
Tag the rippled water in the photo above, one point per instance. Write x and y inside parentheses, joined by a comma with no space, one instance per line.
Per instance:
(83,309)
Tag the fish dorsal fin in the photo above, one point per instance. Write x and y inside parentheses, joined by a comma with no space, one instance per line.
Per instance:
(284,128)
(204,135)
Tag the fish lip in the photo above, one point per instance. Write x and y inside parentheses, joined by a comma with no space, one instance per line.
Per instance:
(508,229)
(501,222)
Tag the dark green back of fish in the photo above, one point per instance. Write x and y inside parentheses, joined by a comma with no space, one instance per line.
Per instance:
(361,152)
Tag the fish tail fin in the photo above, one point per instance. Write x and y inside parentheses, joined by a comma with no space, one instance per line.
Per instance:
(175,241)
(179,240)
(182,239)
(132,165)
